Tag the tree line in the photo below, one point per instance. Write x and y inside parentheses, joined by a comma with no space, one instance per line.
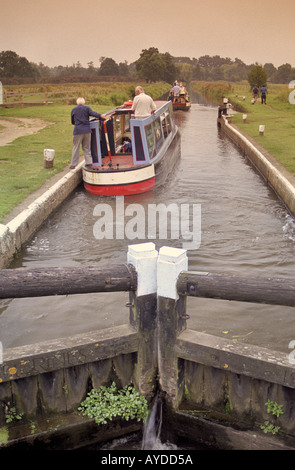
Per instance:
(152,65)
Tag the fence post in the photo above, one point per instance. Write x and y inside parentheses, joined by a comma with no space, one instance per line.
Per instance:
(143,314)
(171,321)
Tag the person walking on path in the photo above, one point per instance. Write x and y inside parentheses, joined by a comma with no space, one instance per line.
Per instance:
(263,91)
(82,132)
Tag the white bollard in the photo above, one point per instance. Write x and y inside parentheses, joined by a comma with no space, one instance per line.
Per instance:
(143,257)
(171,262)
(261,129)
(48,158)
(244,118)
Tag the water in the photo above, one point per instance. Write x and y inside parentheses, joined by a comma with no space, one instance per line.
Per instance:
(246,230)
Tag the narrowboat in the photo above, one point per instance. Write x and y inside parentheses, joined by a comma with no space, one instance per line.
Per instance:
(181,102)
(132,156)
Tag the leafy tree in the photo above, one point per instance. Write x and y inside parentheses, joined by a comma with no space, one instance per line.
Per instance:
(108,67)
(12,65)
(123,69)
(152,66)
(284,74)
(270,69)
(257,76)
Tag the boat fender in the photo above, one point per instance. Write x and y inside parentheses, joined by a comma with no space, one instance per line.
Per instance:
(128,104)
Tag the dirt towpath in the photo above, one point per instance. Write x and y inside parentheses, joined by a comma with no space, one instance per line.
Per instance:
(19,127)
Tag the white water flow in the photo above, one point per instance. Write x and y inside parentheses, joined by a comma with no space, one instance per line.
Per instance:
(152,429)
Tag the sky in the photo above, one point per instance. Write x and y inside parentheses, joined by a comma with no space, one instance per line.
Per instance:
(63,32)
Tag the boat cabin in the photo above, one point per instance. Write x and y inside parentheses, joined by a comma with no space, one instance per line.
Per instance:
(124,141)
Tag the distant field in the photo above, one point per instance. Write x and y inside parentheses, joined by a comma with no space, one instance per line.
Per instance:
(278,116)
(21,162)
(101,93)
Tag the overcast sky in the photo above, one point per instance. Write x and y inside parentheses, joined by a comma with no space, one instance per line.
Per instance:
(63,32)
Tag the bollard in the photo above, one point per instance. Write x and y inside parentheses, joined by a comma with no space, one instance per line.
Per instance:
(143,314)
(244,118)
(171,321)
(48,158)
(261,130)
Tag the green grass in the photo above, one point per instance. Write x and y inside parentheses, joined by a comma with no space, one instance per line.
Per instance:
(278,116)
(22,161)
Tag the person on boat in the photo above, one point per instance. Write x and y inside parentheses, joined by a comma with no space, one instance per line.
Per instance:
(82,132)
(176,88)
(143,105)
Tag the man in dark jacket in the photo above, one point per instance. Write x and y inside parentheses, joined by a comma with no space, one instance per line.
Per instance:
(82,132)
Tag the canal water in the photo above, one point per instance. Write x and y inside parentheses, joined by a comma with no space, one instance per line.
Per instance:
(245,230)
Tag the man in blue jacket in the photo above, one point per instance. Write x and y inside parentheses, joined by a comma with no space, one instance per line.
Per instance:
(82,132)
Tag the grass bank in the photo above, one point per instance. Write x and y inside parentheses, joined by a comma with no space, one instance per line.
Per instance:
(21,162)
(278,116)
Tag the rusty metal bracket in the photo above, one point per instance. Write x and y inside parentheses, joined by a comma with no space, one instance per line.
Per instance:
(192,288)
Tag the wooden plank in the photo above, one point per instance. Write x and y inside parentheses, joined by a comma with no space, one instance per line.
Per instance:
(48,356)
(23,282)
(277,291)
(250,360)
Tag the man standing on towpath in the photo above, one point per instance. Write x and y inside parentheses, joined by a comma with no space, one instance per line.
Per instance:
(82,132)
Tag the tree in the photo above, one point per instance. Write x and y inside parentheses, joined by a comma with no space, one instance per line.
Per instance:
(12,65)
(108,67)
(152,66)
(284,74)
(257,76)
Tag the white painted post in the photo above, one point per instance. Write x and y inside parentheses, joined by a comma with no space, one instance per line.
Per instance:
(261,129)
(48,158)
(171,321)
(171,262)
(244,118)
(143,314)
(143,257)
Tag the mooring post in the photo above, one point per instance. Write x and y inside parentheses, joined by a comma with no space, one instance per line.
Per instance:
(171,321)
(143,314)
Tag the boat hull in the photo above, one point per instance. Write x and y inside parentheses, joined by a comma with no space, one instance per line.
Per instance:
(134,180)
(120,182)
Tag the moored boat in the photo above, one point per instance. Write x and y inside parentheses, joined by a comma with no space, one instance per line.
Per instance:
(132,156)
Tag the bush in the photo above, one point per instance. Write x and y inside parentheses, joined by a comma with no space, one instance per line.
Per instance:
(106,403)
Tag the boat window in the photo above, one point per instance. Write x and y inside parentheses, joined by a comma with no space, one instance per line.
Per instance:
(168,123)
(127,122)
(139,151)
(158,134)
(154,137)
(118,127)
(150,139)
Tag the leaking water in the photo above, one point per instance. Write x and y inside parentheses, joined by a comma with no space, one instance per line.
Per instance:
(245,230)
